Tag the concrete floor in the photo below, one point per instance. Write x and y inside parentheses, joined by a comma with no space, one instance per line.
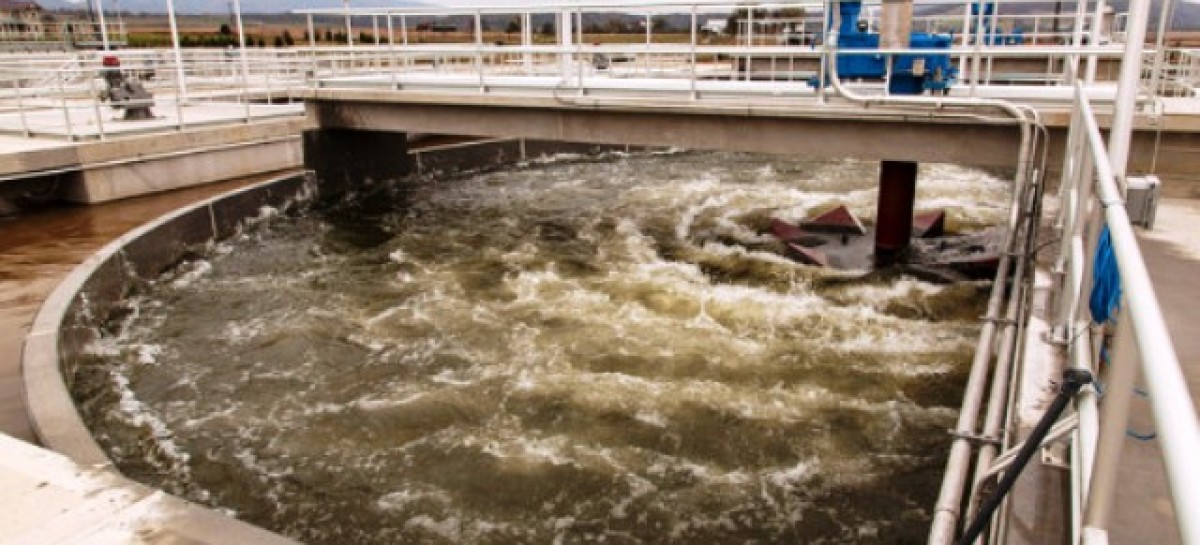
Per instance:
(1171,249)
(83,119)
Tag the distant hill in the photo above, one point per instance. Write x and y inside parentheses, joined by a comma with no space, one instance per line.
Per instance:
(1187,15)
(222,6)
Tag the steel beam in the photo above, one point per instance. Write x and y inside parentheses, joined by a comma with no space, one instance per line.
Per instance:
(894,212)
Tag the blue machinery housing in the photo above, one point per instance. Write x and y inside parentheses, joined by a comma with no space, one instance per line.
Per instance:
(911,74)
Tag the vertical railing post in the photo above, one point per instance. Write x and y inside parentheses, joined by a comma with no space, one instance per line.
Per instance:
(527,42)
(21,109)
(963,67)
(692,55)
(1094,39)
(349,24)
(180,77)
(479,49)
(392,64)
(1166,12)
(646,58)
(62,93)
(312,49)
(96,108)
(579,60)
(241,29)
(1125,105)
(404,37)
(749,41)
(103,26)
(1114,419)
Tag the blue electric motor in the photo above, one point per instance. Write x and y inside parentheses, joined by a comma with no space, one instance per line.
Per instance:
(911,74)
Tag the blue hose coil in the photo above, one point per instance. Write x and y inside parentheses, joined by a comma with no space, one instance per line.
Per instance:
(1106,280)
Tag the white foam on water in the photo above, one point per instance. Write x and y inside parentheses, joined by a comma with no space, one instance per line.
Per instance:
(562,294)
(449,528)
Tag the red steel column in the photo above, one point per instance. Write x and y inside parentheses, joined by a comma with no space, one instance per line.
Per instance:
(894,217)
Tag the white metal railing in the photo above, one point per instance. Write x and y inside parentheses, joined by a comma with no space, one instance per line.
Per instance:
(1092,199)
(60,96)
(398,54)
(68,34)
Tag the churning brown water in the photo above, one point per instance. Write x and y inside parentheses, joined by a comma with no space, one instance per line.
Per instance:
(583,351)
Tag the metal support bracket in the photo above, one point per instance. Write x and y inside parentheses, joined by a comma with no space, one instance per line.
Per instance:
(1056,455)
(975,439)
(998,320)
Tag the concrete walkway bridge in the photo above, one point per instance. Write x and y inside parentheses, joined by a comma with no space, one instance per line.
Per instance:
(1074,107)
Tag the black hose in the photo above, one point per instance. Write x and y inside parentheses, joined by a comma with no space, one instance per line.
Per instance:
(1073,380)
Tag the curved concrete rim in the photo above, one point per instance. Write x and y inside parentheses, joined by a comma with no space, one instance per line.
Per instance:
(52,412)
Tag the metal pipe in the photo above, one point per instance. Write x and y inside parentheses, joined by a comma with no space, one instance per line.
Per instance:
(692,56)
(349,26)
(527,42)
(1095,34)
(237,7)
(1127,89)
(96,108)
(181,80)
(312,47)
(103,26)
(1114,419)
(391,30)
(21,110)
(1165,14)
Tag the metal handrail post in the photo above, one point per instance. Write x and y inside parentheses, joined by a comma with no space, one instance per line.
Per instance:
(96,108)
(181,83)
(312,49)
(349,25)
(1171,404)
(237,6)
(527,42)
(692,55)
(1073,380)
(1114,419)
(579,63)
(1127,89)
(103,27)
(1094,35)
(646,62)
(395,69)
(1166,12)
(21,110)
(749,40)
(62,93)
(404,36)
(479,50)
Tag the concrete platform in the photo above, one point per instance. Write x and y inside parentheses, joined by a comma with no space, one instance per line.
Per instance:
(1171,249)
(45,499)
(84,120)
(151,159)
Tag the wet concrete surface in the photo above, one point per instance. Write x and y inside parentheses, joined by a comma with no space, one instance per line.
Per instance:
(38,249)
(1143,513)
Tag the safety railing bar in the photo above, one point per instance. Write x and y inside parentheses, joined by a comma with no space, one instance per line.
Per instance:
(1172,407)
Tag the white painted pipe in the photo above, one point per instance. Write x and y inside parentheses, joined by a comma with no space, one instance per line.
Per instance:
(1125,106)
(103,26)
(349,25)
(179,72)
(1171,404)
